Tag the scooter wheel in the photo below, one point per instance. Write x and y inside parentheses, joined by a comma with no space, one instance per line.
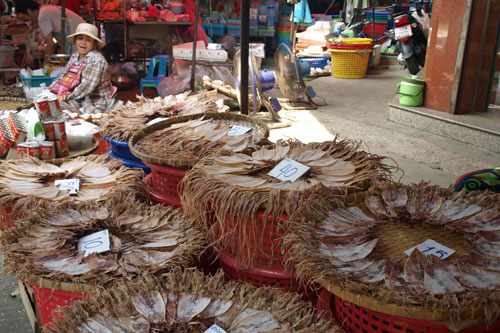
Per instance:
(412,63)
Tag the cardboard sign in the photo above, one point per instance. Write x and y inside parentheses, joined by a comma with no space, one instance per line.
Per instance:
(432,247)
(288,170)
(96,242)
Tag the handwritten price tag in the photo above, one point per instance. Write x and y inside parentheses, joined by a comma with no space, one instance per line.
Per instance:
(238,130)
(288,169)
(96,242)
(73,185)
(432,247)
(215,329)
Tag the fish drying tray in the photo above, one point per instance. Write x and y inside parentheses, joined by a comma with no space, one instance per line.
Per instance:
(260,130)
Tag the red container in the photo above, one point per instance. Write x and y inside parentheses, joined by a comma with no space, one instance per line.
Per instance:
(47,150)
(325,305)
(48,109)
(48,300)
(160,197)
(380,28)
(103,145)
(165,181)
(62,149)
(48,127)
(28,149)
(265,241)
(6,141)
(357,319)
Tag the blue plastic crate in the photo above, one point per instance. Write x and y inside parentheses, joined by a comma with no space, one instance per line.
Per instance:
(234,30)
(215,29)
(36,81)
(315,62)
(121,150)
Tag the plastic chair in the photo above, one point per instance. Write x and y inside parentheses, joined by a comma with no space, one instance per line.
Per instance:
(152,80)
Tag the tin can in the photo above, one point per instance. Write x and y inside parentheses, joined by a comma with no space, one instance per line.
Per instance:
(47,150)
(44,109)
(22,150)
(55,108)
(62,148)
(48,127)
(33,149)
(6,140)
(59,129)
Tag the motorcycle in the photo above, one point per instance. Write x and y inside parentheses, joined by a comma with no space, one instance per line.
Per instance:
(410,36)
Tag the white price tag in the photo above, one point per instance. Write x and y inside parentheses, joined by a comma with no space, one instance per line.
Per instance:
(238,130)
(215,329)
(73,185)
(432,247)
(96,242)
(288,169)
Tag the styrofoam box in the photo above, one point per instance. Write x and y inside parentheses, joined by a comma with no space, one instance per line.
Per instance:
(207,55)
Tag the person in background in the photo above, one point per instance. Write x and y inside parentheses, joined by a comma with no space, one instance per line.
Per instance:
(48,19)
(87,70)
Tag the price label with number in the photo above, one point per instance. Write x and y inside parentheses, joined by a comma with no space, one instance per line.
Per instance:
(288,169)
(73,185)
(96,242)
(432,247)
(215,329)
(238,130)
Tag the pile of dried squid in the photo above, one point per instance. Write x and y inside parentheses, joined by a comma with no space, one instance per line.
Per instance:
(193,139)
(191,302)
(235,186)
(143,239)
(26,182)
(337,244)
(121,123)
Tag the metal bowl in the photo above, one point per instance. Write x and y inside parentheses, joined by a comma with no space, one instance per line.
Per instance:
(58,57)
(122,82)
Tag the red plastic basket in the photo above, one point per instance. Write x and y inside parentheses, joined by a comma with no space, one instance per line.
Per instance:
(160,197)
(325,305)
(5,218)
(380,28)
(103,145)
(265,241)
(357,319)
(48,300)
(165,181)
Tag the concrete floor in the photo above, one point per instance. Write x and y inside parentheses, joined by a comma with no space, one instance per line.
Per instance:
(355,109)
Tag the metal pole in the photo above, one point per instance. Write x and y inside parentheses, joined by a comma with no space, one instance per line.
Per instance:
(193,62)
(63,26)
(125,28)
(292,28)
(245,31)
(373,19)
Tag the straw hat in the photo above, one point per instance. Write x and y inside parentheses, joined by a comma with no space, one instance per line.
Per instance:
(87,30)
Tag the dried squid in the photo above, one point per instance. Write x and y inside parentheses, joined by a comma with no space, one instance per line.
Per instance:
(240,185)
(121,123)
(343,244)
(143,239)
(191,302)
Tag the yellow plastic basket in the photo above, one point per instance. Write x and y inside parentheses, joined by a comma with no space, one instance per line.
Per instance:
(363,41)
(350,64)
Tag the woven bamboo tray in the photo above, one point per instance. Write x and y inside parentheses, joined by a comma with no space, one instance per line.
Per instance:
(394,239)
(260,132)
(13,103)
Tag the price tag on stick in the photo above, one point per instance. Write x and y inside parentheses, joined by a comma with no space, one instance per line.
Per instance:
(432,247)
(288,169)
(238,130)
(96,242)
(73,185)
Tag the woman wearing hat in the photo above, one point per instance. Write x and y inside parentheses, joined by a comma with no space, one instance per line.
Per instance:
(86,71)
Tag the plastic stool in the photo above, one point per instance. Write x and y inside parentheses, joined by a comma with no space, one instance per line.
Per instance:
(152,80)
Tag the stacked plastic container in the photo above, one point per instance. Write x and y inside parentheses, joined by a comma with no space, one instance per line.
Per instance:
(284,25)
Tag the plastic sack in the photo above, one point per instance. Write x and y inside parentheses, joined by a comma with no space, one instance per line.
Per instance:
(34,126)
(80,133)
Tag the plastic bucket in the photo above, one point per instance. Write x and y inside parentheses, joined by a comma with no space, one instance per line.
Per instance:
(411,91)
(266,80)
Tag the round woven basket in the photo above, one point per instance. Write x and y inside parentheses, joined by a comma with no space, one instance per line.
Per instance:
(260,132)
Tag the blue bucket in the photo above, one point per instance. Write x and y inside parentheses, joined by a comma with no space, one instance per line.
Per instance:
(267,80)
(121,150)
(132,164)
